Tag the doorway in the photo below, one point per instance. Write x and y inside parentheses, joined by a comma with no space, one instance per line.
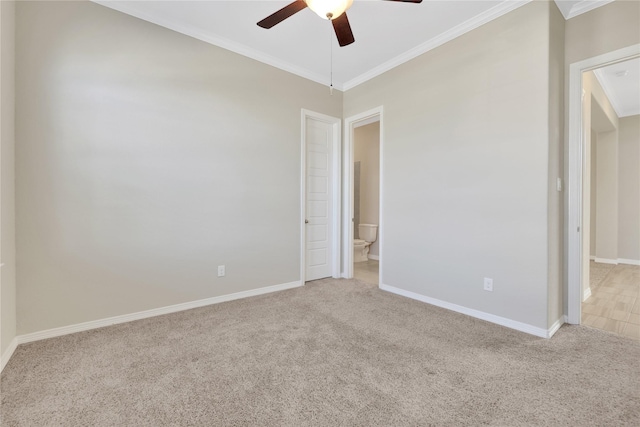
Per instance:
(320,197)
(363,227)
(611,210)
(578,213)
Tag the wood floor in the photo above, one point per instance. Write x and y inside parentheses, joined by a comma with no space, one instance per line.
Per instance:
(614,304)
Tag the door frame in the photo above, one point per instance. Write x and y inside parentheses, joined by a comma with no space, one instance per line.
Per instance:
(350,123)
(334,215)
(576,164)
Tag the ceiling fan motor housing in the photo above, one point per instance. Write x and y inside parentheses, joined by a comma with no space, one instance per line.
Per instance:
(329,9)
(332,10)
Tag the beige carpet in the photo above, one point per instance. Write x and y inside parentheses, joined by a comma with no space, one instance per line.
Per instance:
(333,353)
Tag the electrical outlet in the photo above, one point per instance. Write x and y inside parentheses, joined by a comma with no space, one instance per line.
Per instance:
(488,284)
(221,271)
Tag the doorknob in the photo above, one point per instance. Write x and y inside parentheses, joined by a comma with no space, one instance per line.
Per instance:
(306,221)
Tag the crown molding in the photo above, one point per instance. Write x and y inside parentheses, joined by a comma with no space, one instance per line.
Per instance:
(571,9)
(607,91)
(129,9)
(473,23)
(241,49)
(585,6)
(620,112)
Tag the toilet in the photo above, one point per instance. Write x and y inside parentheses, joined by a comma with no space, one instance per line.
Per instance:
(368,234)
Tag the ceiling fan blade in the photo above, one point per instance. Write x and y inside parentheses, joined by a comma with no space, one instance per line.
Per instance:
(407,1)
(343,30)
(282,14)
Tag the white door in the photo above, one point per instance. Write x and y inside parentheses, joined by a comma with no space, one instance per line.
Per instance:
(319,199)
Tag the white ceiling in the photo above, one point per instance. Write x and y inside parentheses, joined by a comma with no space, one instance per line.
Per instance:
(621,83)
(386,33)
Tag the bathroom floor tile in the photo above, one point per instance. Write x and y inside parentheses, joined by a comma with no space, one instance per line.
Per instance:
(634,319)
(632,331)
(367,271)
(614,304)
(595,310)
(594,321)
(622,316)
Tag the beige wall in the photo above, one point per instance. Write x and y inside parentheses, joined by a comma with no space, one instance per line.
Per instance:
(134,180)
(366,150)
(607,196)
(467,165)
(629,189)
(600,131)
(605,29)
(615,178)
(606,119)
(7,173)
(598,117)
(556,132)
(146,158)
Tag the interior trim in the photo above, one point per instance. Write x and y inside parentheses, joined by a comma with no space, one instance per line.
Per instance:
(101,323)
(606,261)
(491,14)
(584,6)
(350,124)
(574,228)
(473,23)
(6,356)
(130,9)
(502,321)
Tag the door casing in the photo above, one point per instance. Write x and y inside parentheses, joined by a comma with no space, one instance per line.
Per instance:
(350,123)
(575,229)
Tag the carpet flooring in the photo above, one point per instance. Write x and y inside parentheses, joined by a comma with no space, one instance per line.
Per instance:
(332,353)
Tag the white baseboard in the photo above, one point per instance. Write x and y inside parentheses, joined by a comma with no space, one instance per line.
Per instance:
(616,261)
(558,323)
(586,294)
(606,261)
(374,257)
(503,321)
(65,330)
(592,258)
(4,359)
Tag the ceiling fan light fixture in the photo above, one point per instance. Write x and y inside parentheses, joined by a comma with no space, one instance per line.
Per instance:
(329,9)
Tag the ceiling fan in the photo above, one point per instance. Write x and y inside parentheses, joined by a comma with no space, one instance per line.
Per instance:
(333,10)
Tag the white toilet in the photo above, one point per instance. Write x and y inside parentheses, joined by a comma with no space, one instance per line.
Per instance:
(368,234)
